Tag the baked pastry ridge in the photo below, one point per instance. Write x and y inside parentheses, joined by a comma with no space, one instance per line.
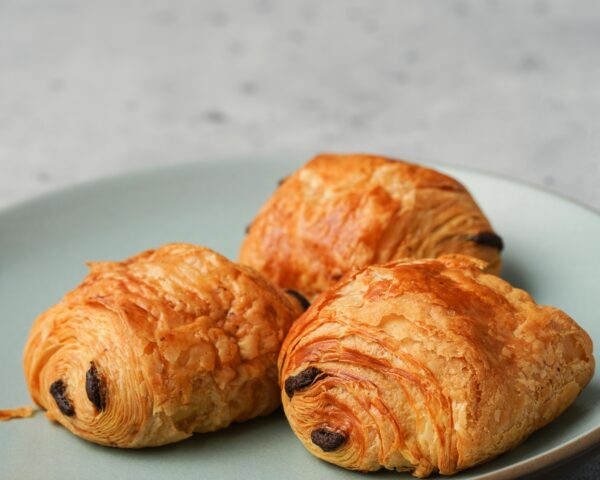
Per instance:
(340,212)
(427,366)
(166,343)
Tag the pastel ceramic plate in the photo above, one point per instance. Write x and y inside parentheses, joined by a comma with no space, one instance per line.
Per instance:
(551,251)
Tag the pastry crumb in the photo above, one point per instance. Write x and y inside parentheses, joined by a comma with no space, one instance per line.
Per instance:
(11,414)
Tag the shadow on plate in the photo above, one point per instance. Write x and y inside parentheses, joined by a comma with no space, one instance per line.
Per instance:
(515,273)
(235,436)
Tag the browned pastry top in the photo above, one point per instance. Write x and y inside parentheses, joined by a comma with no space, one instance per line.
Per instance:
(166,343)
(427,365)
(340,212)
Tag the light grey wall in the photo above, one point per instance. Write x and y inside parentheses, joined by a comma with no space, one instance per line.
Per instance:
(89,89)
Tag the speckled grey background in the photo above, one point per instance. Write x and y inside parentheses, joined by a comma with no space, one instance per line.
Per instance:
(94,88)
(89,89)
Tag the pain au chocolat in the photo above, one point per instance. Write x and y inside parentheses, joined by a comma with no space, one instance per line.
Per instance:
(427,366)
(340,212)
(149,350)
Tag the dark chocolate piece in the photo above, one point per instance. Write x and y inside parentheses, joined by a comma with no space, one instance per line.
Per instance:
(94,388)
(327,439)
(298,296)
(487,238)
(304,379)
(59,391)
(247,229)
(281,181)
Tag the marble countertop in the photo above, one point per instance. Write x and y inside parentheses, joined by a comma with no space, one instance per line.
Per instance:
(90,89)
(93,89)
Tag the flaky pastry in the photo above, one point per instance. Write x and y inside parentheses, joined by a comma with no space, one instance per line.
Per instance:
(427,366)
(149,350)
(340,212)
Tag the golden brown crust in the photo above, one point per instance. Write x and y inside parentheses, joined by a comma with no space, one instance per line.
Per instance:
(426,366)
(340,212)
(149,350)
(11,414)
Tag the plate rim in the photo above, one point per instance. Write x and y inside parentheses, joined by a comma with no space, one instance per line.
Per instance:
(536,463)
(216,161)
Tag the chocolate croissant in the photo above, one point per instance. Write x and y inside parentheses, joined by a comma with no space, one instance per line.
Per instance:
(427,366)
(149,350)
(340,212)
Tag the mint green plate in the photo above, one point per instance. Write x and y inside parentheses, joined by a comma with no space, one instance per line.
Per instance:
(551,251)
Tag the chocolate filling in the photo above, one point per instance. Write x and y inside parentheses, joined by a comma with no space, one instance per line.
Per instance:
(298,296)
(327,439)
(59,391)
(94,388)
(489,239)
(304,379)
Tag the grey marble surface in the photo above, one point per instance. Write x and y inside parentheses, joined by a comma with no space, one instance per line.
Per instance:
(89,89)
